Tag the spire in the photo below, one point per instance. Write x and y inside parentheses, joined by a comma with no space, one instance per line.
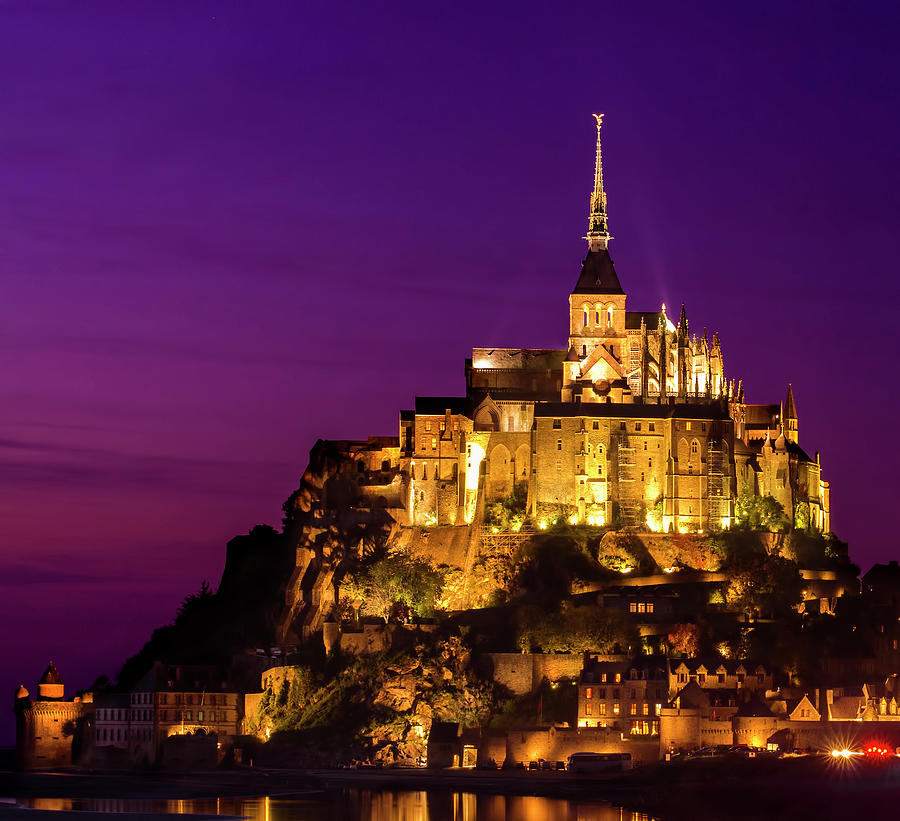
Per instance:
(683,323)
(790,410)
(598,236)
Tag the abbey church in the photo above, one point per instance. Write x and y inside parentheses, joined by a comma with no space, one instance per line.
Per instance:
(634,422)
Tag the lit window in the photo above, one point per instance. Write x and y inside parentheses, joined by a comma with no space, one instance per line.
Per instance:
(588,692)
(658,709)
(646,709)
(616,708)
(588,710)
(618,677)
(434,442)
(603,709)
(633,607)
(642,608)
(633,709)
(603,677)
(428,424)
(649,606)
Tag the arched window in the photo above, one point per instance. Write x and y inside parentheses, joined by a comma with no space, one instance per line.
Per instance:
(584,350)
(584,317)
(609,317)
(695,447)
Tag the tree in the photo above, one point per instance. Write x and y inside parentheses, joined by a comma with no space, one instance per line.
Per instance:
(755,512)
(764,583)
(395,579)
(575,630)
(685,639)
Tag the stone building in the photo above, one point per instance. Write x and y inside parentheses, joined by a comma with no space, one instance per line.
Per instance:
(180,700)
(634,420)
(50,730)
(624,695)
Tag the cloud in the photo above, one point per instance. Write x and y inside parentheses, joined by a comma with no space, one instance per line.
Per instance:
(53,465)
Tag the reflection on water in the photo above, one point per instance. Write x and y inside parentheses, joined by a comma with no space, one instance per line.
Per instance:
(362,805)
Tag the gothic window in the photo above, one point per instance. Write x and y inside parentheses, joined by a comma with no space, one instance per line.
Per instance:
(694,447)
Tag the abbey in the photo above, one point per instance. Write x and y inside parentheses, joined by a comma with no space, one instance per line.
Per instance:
(634,422)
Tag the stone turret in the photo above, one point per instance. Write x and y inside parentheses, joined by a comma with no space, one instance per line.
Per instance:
(51,686)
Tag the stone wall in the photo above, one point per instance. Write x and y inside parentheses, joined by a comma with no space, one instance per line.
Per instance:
(558,743)
(522,673)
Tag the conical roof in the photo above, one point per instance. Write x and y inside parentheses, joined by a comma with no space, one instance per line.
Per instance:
(51,675)
(598,275)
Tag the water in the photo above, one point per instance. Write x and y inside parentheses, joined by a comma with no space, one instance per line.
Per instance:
(360,805)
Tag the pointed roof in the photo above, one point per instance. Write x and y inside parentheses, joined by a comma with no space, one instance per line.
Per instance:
(790,410)
(51,675)
(598,275)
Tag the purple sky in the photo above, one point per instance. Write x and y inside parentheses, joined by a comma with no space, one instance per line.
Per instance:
(230,228)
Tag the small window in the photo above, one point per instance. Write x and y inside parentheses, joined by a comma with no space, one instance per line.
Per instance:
(559,444)
(557,424)
(587,709)
(633,607)
(428,425)
(616,708)
(694,448)
(618,677)
(652,426)
(721,678)
(583,351)
(633,709)
(703,426)
(687,425)
(588,692)
(603,709)
(599,470)
(597,317)
(621,426)
(642,476)
(637,425)
(434,443)
(609,318)
(596,425)
(650,606)
(650,462)
(585,318)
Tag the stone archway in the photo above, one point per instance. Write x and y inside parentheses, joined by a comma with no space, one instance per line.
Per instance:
(500,477)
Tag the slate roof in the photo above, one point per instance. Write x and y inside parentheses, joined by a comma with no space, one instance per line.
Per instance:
(637,410)
(598,275)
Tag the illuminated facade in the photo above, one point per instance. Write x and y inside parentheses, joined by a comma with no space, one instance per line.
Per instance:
(634,421)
